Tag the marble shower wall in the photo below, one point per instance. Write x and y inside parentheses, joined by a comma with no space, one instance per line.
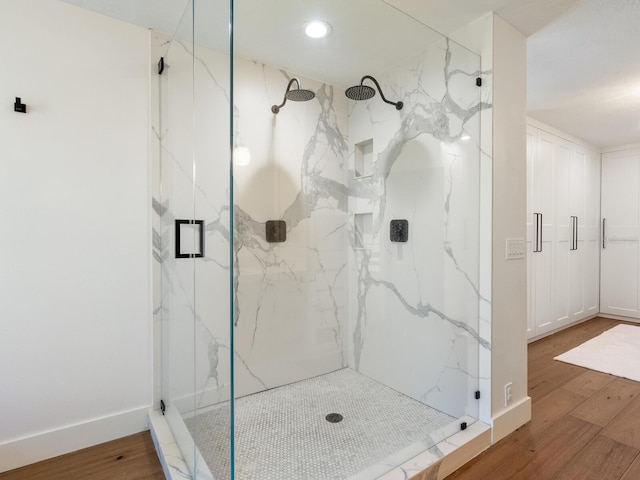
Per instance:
(413,307)
(290,315)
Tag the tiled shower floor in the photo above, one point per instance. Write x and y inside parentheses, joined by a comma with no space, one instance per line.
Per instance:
(282,434)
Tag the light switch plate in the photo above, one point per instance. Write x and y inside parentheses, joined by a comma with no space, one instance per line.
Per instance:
(515,248)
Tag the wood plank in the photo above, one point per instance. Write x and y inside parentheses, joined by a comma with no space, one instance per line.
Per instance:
(129,458)
(554,448)
(601,459)
(605,404)
(550,377)
(500,456)
(589,383)
(633,472)
(625,427)
(552,408)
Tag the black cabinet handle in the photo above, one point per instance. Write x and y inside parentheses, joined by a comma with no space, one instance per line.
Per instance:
(540,230)
(538,245)
(603,237)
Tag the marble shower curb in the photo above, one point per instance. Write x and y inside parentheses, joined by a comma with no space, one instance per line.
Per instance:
(434,463)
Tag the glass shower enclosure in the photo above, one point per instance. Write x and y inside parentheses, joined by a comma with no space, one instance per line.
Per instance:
(318,246)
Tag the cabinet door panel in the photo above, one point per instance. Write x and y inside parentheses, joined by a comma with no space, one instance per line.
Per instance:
(620,273)
(620,258)
(544,290)
(576,282)
(543,178)
(620,190)
(577,190)
(531,142)
(591,277)
(589,232)
(563,231)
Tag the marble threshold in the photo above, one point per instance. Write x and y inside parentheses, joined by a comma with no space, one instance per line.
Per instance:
(435,463)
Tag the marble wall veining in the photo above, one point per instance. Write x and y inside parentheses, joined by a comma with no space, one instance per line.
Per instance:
(414,306)
(290,310)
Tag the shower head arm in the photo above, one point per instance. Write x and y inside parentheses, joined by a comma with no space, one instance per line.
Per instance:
(276,108)
(398,105)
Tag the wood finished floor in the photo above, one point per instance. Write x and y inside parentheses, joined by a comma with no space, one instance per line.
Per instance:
(585,424)
(128,458)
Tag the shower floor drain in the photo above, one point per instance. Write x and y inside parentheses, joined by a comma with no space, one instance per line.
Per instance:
(334,417)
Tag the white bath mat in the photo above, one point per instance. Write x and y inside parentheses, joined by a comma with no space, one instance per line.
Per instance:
(616,351)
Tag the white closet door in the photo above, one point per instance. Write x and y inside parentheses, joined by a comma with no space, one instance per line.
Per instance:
(562,254)
(532,135)
(621,214)
(543,195)
(577,257)
(589,235)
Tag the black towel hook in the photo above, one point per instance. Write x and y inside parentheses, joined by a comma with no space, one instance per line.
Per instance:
(18,106)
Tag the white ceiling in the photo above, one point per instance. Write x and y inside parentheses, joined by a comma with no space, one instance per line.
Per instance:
(583,56)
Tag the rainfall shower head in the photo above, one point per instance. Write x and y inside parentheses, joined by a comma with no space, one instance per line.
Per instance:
(360,92)
(299,95)
(364,92)
(295,95)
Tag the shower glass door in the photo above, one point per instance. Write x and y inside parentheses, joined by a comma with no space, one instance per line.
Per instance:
(195,239)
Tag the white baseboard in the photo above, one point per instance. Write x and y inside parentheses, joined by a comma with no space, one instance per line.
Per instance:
(564,327)
(511,419)
(27,450)
(619,317)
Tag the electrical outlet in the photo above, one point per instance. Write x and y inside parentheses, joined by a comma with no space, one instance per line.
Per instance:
(507,394)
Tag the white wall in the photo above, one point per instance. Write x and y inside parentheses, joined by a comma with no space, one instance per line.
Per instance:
(503,51)
(509,351)
(75,308)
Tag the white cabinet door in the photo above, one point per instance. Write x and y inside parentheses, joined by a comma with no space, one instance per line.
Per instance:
(589,235)
(621,216)
(562,255)
(541,233)
(531,144)
(577,257)
(584,247)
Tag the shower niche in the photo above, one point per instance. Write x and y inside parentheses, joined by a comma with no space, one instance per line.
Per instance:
(363,158)
(363,230)
(317,307)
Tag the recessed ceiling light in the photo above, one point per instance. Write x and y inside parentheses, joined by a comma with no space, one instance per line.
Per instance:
(317,29)
(465,137)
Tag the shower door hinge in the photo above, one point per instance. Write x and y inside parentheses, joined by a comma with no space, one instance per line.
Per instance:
(478,82)
(162,407)
(478,395)
(160,65)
